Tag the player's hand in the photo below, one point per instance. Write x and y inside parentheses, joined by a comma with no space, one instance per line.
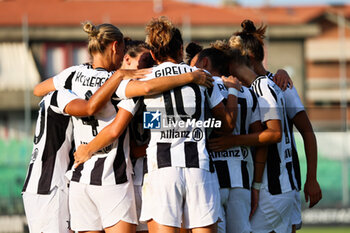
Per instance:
(254,202)
(312,192)
(221,143)
(282,79)
(132,74)
(202,78)
(231,82)
(81,155)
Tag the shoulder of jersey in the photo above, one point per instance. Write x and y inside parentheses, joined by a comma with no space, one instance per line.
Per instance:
(188,66)
(244,90)
(259,84)
(85,66)
(270,75)
(163,65)
(217,79)
(88,66)
(260,79)
(166,64)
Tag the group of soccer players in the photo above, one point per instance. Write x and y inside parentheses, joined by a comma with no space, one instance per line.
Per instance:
(96,167)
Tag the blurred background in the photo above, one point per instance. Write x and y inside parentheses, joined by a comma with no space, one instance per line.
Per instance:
(309,39)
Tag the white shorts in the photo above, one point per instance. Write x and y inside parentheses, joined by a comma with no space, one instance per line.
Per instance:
(274,212)
(47,213)
(235,210)
(174,194)
(296,214)
(138,199)
(94,208)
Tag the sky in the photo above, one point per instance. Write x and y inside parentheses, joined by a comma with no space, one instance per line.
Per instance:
(275,2)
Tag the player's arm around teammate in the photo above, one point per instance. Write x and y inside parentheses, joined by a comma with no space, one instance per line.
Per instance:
(49,85)
(134,88)
(81,107)
(117,127)
(271,134)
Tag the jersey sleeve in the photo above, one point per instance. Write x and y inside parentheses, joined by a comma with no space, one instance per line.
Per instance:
(60,79)
(64,97)
(267,100)
(120,92)
(293,102)
(214,96)
(130,105)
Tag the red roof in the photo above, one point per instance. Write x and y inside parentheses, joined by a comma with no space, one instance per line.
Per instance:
(139,12)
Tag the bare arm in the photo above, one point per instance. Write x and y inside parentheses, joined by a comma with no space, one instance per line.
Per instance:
(47,86)
(104,138)
(312,188)
(227,114)
(282,79)
(44,87)
(260,153)
(80,107)
(272,134)
(260,158)
(162,84)
(105,92)
(137,151)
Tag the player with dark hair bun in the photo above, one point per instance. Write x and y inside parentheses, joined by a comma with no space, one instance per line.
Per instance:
(253,39)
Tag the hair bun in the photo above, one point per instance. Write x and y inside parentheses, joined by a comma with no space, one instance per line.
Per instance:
(90,29)
(248,26)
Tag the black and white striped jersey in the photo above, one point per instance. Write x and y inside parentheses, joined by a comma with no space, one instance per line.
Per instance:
(179,138)
(111,164)
(52,144)
(235,166)
(278,175)
(293,106)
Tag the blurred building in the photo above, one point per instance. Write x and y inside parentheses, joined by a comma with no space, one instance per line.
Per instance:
(302,40)
(328,69)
